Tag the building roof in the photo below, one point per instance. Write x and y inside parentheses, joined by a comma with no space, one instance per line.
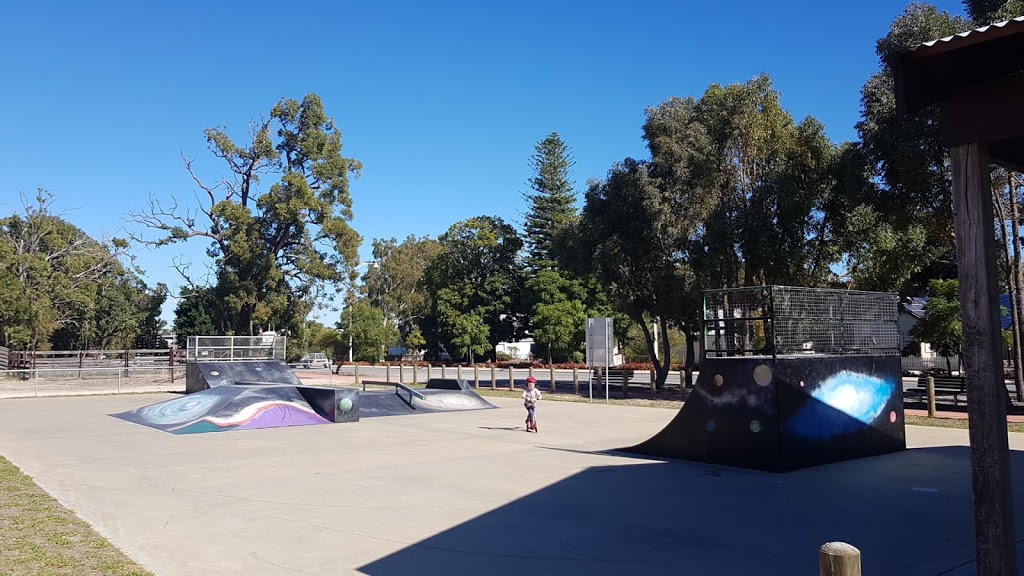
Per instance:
(977,78)
(915,307)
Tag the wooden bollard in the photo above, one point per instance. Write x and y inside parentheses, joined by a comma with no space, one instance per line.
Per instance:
(428,372)
(494,378)
(476,376)
(401,373)
(931,396)
(415,369)
(458,371)
(575,380)
(357,373)
(442,371)
(531,371)
(511,379)
(554,384)
(387,372)
(839,559)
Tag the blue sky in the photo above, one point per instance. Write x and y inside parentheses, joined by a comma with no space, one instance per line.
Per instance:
(442,101)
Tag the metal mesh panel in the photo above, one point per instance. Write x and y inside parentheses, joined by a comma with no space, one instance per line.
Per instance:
(783,320)
(236,348)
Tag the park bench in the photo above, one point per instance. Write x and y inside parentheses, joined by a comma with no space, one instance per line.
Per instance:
(955,385)
(620,376)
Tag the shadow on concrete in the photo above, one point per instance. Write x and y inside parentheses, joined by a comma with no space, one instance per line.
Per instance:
(910,513)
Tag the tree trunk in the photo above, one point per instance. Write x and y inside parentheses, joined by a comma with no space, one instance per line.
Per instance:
(1017,299)
(1014,286)
(660,365)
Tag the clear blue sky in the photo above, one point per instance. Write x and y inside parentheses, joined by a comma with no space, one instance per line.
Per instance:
(442,101)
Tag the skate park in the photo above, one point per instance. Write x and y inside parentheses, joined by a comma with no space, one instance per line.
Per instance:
(464,491)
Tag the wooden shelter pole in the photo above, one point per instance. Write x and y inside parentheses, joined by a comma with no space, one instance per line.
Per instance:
(986,398)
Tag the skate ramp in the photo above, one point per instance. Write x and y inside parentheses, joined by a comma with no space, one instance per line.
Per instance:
(448,384)
(404,400)
(247,407)
(204,375)
(786,413)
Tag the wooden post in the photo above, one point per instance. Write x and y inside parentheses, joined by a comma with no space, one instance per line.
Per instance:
(401,375)
(554,384)
(387,372)
(442,371)
(839,559)
(575,380)
(931,396)
(494,378)
(356,367)
(979,312)
(531,370)
(511,379)
(458,371)
(476,376)
(428,372)
(415,371)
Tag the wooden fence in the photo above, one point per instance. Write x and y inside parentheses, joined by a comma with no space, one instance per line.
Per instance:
(94,359)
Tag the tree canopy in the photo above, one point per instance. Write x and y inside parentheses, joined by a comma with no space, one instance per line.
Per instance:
(277,251)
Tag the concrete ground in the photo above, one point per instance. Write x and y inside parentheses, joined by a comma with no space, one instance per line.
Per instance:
(473,493)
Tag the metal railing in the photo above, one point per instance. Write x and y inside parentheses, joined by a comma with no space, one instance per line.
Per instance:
(28,382)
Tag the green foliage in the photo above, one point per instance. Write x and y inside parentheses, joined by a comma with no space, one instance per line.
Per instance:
(193,315)
(415,340)
(905,179)
(395,283)
(477,275)
(941,326)
(558,313)
(275,252)
(56,280)
(370,335)
(551,205)
(989,11)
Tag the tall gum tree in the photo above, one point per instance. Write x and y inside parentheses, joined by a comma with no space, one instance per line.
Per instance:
(275,251)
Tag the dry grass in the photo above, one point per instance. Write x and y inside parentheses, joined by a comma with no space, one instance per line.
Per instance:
(42,538)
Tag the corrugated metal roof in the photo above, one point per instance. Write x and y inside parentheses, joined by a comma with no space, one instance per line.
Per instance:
(915,307)
(967,38)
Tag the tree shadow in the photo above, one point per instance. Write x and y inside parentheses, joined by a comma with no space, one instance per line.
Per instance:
(909,513)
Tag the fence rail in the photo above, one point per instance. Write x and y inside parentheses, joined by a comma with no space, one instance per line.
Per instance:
(932,363)
(30,382)
(95,358)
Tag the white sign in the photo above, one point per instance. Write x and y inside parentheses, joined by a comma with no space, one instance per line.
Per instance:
(600,342)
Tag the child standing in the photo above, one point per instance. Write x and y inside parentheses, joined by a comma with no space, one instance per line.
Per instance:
(530,398)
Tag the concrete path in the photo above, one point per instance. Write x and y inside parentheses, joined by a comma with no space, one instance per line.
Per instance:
(472,493)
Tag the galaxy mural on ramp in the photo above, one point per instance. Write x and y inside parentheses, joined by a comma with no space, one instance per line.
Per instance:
(229,408)
(840,407)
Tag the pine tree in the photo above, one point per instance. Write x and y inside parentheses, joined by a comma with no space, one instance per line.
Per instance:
(552,202)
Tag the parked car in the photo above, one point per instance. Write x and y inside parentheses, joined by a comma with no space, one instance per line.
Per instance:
(315,360)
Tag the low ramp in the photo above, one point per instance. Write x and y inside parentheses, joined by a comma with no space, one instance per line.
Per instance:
(204,375)
(246,407)
(448,384)
(426,401)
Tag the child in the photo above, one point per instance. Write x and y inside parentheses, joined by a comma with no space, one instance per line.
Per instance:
(530,398)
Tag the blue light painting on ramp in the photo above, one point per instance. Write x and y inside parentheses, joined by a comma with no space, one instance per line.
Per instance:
(862,397)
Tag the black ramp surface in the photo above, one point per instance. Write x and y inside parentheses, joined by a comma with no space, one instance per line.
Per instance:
(448,384)
(728,418)
(787,413)
(203,375)
(391,404)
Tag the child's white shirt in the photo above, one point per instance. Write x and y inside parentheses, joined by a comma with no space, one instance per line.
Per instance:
(531,395)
